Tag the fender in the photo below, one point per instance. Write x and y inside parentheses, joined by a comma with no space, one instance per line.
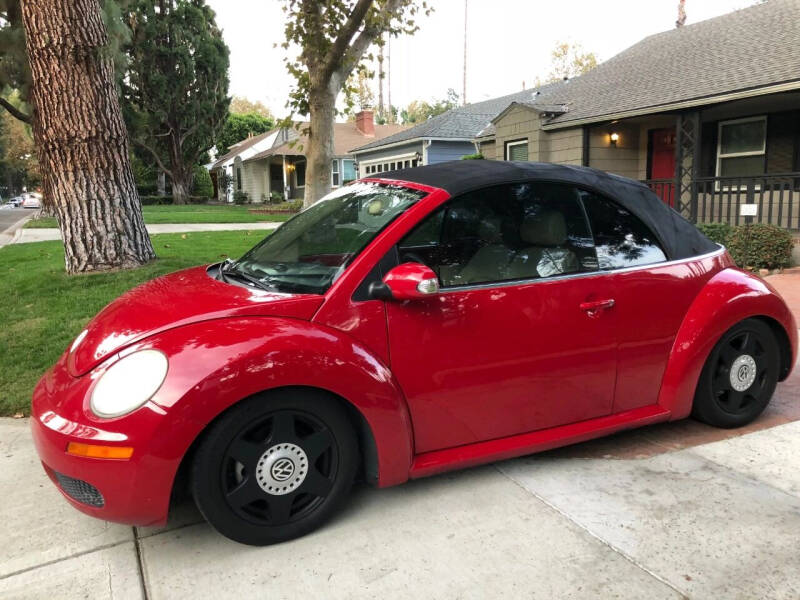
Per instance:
(727,298)
(220,362)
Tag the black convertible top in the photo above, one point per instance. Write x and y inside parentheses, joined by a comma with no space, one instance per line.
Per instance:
(679,238)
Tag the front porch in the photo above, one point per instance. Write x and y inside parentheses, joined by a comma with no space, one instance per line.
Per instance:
(710,161)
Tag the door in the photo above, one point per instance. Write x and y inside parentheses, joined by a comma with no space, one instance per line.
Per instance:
(522,335)
(662,163)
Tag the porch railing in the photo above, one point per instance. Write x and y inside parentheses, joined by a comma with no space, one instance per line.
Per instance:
(719,199)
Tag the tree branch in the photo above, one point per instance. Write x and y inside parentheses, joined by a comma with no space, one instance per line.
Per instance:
(367,36)
(155,155)
(15,112)
(339,49)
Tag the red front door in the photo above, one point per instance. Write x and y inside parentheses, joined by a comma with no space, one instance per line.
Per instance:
(662,162)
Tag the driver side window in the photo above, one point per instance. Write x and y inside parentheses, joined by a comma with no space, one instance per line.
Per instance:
(504,233)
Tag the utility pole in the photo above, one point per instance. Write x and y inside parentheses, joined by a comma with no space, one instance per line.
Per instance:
(681,14)
(464,92)
(390,116)
(381,109)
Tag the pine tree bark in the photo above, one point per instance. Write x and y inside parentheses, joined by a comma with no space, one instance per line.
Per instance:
(81,140)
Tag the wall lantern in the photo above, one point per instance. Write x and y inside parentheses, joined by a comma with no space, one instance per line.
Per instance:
(614,138)
(290,167)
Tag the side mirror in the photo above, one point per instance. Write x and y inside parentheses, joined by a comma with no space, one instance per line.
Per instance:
(409,281)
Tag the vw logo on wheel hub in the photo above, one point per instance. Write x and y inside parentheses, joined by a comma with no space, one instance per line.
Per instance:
(743,372)
(282,469)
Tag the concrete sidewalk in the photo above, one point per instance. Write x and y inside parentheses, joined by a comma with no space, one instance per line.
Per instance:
(720,520)
(25,236)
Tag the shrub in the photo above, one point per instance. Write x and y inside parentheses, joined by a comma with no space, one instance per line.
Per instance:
(241,197)
(152,200)
(275,197)
(717,232)
(203,186)
(761,246)
(477,156)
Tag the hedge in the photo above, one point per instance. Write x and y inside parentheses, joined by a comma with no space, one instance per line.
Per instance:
(755,245)
(161,200)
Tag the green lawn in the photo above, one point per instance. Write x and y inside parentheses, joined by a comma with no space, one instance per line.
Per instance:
(190,213)
(44,309)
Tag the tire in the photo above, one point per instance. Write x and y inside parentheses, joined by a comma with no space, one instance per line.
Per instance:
(733,399)
(275,467)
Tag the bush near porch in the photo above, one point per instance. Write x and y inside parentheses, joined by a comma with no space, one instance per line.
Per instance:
(755,245)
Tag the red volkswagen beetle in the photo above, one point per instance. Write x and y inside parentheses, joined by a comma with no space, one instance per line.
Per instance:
(431,319)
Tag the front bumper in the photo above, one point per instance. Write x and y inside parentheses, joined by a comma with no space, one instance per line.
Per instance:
(135,491)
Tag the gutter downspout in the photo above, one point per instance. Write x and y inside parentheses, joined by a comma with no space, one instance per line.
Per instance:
(425,145)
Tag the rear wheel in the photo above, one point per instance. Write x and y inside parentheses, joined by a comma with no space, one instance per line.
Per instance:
(275,467)
(739,377)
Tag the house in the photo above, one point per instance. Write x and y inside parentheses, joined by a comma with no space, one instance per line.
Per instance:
(708,115)
(273,165)
(448,136)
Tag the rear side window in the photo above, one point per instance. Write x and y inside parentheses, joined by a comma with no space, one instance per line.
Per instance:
(620,237)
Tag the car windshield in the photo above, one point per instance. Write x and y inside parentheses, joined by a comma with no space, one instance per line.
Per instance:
(309,252)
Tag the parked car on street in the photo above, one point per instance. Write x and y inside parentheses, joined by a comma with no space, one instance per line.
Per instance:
(425,320)
(16,201)
(32,200)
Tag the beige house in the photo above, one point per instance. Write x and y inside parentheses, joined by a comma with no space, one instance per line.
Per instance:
(273,165)
(708,115)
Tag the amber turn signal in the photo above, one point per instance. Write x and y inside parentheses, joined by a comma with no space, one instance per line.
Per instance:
(91,451)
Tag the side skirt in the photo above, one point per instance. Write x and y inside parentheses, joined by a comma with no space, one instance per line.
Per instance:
(438,461)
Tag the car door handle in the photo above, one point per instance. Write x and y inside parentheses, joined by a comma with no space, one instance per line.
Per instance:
(596,305)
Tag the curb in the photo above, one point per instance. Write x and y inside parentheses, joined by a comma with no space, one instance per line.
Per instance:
(17,233)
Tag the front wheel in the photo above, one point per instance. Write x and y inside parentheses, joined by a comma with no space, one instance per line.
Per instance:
(275,467)
(739,377)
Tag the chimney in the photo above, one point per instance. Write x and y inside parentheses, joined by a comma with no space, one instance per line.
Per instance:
(365,123)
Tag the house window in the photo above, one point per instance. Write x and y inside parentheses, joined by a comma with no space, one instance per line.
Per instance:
(741,149)
(348,171)
(300,172)
(239,179)
(335,173)
(517,150)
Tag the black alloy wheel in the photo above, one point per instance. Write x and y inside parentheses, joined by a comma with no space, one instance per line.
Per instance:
(275,467)
(739,377)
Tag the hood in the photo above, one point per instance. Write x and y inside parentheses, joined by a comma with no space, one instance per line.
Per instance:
(173,301)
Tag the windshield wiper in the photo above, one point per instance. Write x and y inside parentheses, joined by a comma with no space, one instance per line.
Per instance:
(227,270)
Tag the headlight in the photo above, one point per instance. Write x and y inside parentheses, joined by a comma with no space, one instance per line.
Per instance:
(129,383)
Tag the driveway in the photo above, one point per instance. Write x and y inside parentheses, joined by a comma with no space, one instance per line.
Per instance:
(671,511)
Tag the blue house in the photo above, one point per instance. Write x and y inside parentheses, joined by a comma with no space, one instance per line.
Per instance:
(445,137)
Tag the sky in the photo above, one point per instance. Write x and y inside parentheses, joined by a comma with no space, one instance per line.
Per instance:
(509,42)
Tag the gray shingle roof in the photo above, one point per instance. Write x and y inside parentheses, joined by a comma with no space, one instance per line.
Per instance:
(464,122)
(750,48)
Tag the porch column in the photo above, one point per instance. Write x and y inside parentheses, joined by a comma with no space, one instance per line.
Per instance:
(268,180)
(687,163)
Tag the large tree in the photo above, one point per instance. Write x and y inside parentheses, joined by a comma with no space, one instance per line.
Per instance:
(420,110)
(80,136)
(570,60)
(333,36)
(175,90)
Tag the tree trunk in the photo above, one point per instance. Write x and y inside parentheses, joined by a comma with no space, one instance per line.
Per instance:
(319,154)
(80,136)
(161,183)
(181,190)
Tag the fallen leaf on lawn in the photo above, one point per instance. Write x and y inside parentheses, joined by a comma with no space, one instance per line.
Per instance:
(29,306)
(19,415)
(183,237)
(167,246)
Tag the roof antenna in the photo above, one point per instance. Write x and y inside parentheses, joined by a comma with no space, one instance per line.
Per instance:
(681,14)
(464,93)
